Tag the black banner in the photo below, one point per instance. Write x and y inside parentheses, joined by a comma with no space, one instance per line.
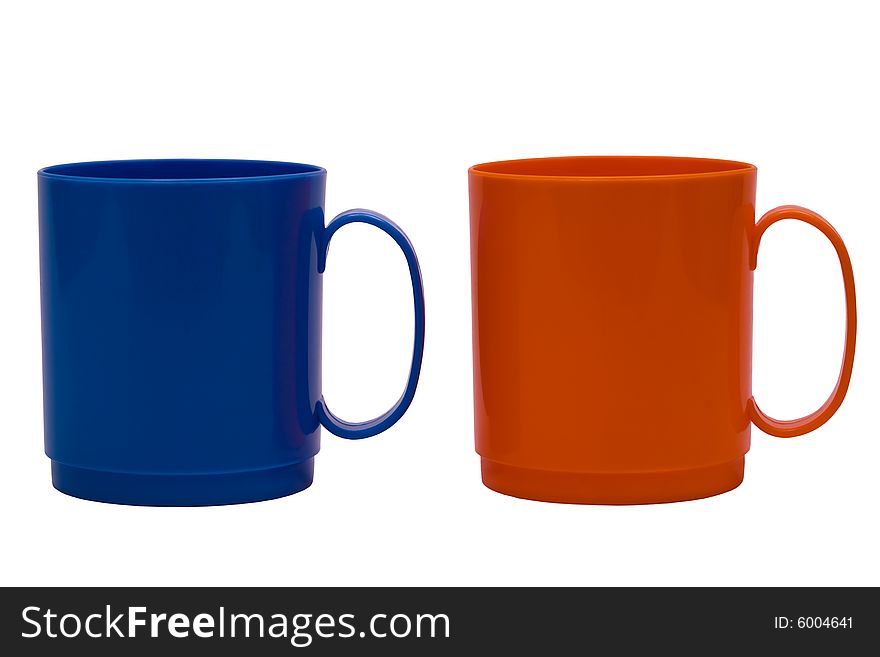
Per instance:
(436,621)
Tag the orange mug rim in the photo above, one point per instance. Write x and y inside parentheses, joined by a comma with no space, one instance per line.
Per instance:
(640,167)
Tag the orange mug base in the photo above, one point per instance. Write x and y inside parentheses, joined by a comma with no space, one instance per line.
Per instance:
(613,488)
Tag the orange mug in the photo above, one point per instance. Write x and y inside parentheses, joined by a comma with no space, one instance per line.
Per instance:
(612,326)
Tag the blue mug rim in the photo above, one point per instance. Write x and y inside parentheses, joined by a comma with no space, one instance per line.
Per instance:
(254,170)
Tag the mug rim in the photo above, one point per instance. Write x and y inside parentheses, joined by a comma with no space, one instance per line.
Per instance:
(70,171)
(713,167)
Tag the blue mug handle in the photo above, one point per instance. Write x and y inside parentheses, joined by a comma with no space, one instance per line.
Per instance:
(357,430)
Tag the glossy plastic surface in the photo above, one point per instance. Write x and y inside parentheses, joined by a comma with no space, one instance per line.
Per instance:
(357,430)
(612,319)
(791,428)
(182,328)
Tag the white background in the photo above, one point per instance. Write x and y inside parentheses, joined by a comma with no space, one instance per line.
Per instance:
(396,100)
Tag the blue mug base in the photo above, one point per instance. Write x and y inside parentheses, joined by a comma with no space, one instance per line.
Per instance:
(182,490)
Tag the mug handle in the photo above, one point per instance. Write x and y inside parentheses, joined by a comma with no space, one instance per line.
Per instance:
(357,430)
(791,428)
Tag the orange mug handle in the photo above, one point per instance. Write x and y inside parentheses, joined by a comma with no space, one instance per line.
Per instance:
(791,428)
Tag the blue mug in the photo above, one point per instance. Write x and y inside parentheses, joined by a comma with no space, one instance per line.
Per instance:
(181,305)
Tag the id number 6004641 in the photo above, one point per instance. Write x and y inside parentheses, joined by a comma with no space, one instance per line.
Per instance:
(813,622)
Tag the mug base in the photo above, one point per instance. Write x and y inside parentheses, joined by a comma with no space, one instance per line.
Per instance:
(612,488)
(182,490)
